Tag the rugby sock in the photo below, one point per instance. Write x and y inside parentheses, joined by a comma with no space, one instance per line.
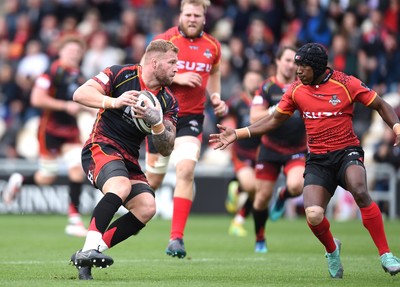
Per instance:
(323,233)
(260,219)
(29,179)
(246,209)
(74,196)
(372,221)
(102,215)
(122,228)
(284,194)
(180,215)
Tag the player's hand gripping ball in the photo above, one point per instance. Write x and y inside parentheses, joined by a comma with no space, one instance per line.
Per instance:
(141,124)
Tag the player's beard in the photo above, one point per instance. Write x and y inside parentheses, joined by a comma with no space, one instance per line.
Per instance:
(191,31)
(163,78)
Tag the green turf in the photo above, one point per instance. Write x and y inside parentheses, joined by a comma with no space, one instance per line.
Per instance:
(35,252)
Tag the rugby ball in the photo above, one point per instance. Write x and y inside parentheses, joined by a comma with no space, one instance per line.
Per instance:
(140,123)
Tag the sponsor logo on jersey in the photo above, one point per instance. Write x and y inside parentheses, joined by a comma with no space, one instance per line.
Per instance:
(129,75)
(334,100)
(320,115)
(207,54)
(194,66)
(193,47)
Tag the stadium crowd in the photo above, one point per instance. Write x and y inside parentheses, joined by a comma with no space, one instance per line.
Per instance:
(362,38)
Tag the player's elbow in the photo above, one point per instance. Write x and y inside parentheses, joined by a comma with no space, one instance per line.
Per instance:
(77,95)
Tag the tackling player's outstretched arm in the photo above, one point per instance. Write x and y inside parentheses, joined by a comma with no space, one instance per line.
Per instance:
(260,127)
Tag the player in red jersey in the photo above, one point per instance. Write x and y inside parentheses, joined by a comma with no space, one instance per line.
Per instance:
(325,99)
(110,156)
(198,74)
(58,134)
(284,148)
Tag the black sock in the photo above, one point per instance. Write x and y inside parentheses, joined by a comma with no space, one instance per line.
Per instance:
(122,228)
(104,212)
(260,220)
(75,189)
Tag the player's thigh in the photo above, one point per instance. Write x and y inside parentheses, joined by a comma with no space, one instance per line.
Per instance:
(295,179)
(186,148)
(246,177)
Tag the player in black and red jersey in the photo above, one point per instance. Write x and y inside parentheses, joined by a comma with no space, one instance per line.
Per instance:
(325,99)
(244,155)
(198,74)
(283,149)
(110,155)
(58,134)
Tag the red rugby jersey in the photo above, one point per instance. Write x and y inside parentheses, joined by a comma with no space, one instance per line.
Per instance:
(198,55)
(327,110)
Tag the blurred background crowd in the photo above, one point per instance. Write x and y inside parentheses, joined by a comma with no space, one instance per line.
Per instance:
(362,37)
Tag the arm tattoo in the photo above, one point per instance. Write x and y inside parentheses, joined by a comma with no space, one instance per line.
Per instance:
(164,142)
(152,116)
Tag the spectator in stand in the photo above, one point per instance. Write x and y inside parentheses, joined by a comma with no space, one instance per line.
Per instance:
(129,27)
(315,26)
(341,57)
(90,24)
(49,33)
(100,48)
(10,111)
(350,29)
(32,65)
(134,52)
(238,57)
(259,41)
(240,15)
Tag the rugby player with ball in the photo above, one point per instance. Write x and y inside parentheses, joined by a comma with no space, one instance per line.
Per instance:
(133,101)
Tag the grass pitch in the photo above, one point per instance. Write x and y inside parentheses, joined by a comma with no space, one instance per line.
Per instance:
(35,252)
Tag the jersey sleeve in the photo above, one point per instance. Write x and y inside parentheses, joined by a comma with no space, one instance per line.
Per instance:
(360,92)
(106,78)
(287,104)
(170,106)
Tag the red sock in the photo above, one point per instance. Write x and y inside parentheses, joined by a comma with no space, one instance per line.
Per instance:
(372,220)
(72,211)
(180,215)
(323,233)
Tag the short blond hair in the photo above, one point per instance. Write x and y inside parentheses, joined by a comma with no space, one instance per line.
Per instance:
(204,3)
(161,46)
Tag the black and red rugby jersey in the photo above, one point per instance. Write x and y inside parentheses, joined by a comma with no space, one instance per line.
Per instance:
(116,125)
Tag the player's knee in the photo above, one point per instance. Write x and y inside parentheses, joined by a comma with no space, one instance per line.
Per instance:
(314,214)
(262,199)
(143,206)
(185,171)
(148,210)
(295,189)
